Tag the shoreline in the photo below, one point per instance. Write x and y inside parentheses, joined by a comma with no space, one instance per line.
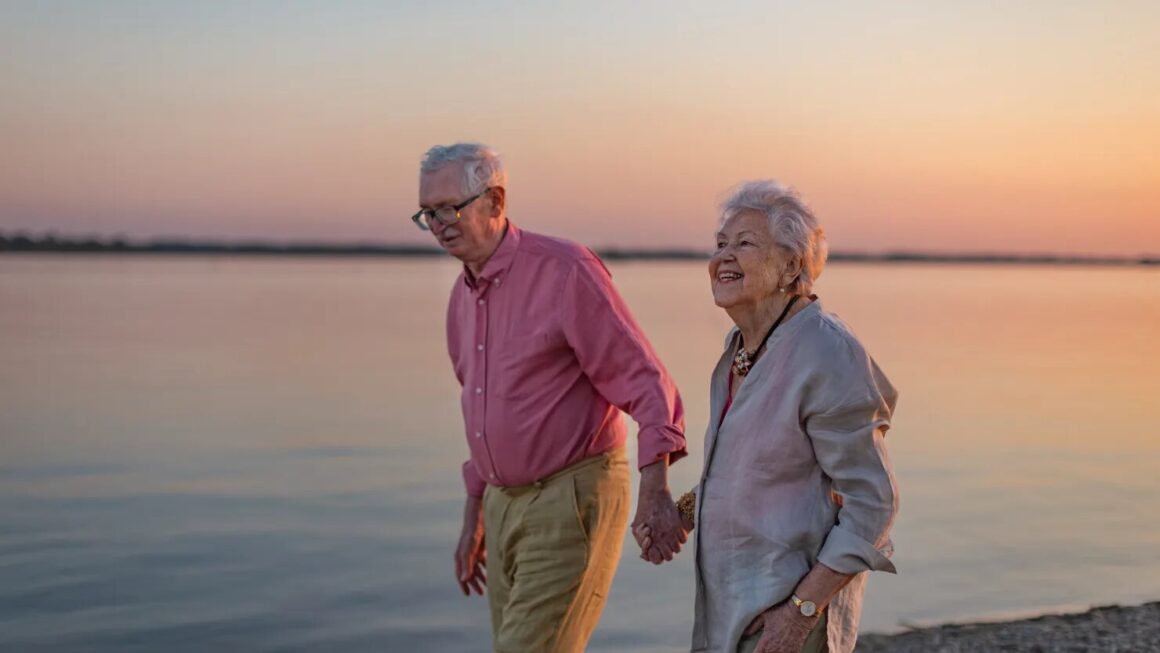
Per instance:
(380,252)
(1104,628)
(50,243)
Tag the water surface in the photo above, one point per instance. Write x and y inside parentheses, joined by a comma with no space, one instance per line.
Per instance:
(263,454)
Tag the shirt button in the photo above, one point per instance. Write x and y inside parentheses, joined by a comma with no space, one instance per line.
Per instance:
(498,281)
(479,391)
(479,434)
(482,302)
(479,347)
(493,476)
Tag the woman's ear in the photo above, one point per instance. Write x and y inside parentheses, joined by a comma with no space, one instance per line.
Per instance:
(793,268)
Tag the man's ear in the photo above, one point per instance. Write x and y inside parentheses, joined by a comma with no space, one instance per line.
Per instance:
(498,201)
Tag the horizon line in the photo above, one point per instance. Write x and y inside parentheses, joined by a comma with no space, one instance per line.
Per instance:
(20,241)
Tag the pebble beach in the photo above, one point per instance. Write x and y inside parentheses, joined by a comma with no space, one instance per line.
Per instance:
(1108,629)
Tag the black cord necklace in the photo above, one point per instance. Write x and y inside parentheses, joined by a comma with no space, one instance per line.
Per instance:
(744,359)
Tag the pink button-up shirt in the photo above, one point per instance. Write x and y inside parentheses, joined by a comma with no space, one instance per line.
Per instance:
(547,351)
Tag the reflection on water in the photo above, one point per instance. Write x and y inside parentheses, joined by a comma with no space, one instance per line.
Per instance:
(263,455)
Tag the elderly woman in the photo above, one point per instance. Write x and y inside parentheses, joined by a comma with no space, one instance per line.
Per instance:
(797,497)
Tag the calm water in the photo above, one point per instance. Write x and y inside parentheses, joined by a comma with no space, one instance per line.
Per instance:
(263,455)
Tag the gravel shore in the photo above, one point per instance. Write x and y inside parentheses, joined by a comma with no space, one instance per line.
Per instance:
(1110,629)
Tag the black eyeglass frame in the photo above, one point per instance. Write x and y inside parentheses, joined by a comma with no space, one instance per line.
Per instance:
(433,214)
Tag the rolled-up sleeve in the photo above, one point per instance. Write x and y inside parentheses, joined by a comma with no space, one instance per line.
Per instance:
(849,442)
(620,363)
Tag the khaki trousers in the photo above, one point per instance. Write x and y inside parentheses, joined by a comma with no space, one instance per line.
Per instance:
(815,642)
(552,550)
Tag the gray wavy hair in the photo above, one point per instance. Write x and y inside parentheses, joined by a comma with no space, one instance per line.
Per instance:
(482,166)
(791,222)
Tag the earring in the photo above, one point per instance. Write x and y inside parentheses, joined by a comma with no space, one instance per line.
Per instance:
(781,289)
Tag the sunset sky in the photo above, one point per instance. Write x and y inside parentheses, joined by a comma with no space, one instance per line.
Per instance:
(1008,127)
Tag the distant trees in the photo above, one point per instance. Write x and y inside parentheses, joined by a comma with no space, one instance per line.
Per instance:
(21,241)
(49,242)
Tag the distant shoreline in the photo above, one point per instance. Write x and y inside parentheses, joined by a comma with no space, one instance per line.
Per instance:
(54,245)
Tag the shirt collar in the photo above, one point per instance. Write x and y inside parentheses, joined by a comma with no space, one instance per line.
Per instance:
(501,259)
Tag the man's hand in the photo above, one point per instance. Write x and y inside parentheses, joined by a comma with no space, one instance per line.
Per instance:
(657,527)
(783,629)
(470,555)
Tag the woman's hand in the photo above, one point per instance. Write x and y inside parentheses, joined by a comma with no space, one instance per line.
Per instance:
(783,629)
(643,535)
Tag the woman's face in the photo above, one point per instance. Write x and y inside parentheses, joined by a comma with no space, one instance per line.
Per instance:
(747,265)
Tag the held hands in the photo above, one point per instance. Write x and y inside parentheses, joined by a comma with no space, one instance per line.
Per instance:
(470,555)
(643,532)
(658,528)
(783,629)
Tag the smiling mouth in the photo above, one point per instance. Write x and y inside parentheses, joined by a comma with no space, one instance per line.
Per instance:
(729,277)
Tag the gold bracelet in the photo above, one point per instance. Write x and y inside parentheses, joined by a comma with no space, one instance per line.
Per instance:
(687,505)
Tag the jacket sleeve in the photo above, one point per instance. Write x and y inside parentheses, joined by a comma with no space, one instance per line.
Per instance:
(848,437)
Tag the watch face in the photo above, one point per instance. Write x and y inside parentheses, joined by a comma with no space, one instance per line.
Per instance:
(808,608)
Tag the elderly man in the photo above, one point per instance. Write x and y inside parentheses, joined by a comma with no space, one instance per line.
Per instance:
(546,352)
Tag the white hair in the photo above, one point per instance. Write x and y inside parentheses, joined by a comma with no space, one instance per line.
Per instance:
(482,167)
(792,224)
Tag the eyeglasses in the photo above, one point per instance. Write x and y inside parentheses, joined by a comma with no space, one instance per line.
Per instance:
(444,215)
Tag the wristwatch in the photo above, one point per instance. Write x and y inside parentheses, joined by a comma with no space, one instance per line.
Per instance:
(807,608)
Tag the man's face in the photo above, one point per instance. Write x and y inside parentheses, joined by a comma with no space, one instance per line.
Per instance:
(468,238)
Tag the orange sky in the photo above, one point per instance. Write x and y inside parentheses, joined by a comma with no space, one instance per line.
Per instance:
(1018,129)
